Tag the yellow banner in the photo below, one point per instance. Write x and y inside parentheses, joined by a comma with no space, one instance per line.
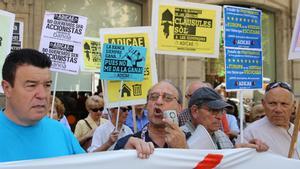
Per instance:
(131,91)
(186,29)
(91,54)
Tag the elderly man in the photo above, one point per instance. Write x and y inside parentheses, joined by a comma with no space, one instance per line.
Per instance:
(206,107)
(185,116)
(160,132)
(275,128)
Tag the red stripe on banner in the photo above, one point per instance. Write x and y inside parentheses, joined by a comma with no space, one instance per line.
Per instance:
(210,161)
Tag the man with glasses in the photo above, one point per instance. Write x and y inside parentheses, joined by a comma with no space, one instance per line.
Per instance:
(106,135)
(85,128)
(206,107)
(275,128)
(160,132)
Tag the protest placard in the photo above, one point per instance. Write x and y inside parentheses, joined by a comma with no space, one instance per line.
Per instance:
(243,49)
(6,30)
(133,93)
(243,69)
(295,43)
(61,40)
(186,29)
(91,60)
(122,62)
(17,40)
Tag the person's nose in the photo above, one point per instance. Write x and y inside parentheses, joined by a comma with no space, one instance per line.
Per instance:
(160,100)
(41,92)
(278,108)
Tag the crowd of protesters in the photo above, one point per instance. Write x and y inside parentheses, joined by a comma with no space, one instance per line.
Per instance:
(31,133)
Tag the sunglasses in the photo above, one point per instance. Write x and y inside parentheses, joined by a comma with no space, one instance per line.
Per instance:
(123,109)
(279,84)
(97,109)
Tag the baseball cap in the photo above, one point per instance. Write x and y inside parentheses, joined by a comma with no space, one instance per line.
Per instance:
(209,97)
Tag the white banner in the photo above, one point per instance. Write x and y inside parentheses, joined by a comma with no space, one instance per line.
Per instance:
(61,40)
(162,159)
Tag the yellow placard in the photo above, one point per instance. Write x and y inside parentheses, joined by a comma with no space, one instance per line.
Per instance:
(132,92)
(91,54)
(187,29)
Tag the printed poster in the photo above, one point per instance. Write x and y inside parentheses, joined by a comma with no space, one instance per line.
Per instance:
(6,30)
(295,43)
(91,54)
(243,49)
(17,40)
(61,40)
(186,29)
(243,69)
(133,93)
(123,62)
(242,27)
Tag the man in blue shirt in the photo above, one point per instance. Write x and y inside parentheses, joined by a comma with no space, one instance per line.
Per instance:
(25,131)
(141,118)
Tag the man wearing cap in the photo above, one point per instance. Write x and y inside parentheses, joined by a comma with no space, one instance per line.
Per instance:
(275,128)
(185,116)
(207,107)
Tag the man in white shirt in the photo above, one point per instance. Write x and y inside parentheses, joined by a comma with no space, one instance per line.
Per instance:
(106,135)
(275,129)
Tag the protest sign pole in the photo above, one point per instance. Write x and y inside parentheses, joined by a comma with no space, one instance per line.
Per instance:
(184,78)
(295,132)
(242,114)
(53,95)
(134,119)
(117,121)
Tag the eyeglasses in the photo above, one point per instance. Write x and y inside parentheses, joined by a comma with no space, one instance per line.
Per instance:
(97,109)
(213,111)
(166,97)
(280,84)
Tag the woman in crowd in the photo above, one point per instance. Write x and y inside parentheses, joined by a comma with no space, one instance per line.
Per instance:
(85,128)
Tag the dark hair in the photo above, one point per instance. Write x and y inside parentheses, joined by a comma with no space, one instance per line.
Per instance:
(23,57)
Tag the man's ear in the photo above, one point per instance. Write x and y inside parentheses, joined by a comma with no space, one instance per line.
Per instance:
(6,88)
(193,112)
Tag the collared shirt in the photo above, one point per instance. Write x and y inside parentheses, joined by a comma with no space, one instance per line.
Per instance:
(184,117)
(277,138)
(219,138)
(82,128)
(102,133)
(140,122)
(233,124)
(144,135)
